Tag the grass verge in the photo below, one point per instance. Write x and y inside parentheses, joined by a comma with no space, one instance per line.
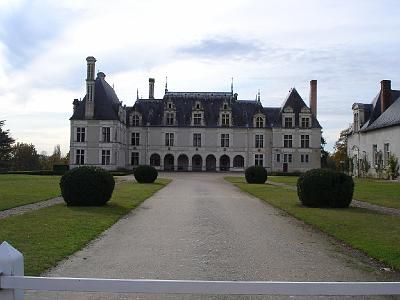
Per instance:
(375,234)
(48,235)
(378,192)
(17,190)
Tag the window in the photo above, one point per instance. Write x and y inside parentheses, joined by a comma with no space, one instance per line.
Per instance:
(225,120)
(375,154)
(169,105)
(155,160)
(90,93)
(288,122)
(224,140)
(259,159)
(259,141)
(170,118)
(196,139)
(197,119)
(225,106)
(259,122)
(135,139)
(305,122)
(135,158)
(80,134)
(80,157)
(106,134)
(278,158)
(304,158)
(198,106)
(169,139)
(386,153)
(287,158)
(105,157)
(135,120)
(287,141)
(305,141)
(238,161)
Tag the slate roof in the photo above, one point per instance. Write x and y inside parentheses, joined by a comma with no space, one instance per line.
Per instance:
(375,119)
(106,102)
(152,110)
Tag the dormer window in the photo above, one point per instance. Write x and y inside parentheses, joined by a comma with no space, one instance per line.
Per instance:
(225,106)
(259,121)
(225,119)
(198,106)
(305,122)
(288,122)
(170,118)
(135,120)
(197,119)
(170,105)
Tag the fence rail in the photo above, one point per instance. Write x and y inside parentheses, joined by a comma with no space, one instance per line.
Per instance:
(13,283)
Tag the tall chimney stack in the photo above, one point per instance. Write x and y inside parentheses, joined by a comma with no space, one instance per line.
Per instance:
(151,88)
(386,94)
(313,97)
(90,84)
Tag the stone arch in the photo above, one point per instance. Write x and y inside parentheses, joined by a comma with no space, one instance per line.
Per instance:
(197,162)
(211,163)
(238,161)
(169,161)
(183,162)
(224,163)
(155,160)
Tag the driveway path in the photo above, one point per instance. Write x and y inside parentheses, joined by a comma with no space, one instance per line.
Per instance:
(200,227)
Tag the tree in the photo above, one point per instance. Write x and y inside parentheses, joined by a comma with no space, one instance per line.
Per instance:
(25,157)
(393,166)
(6,142)
(324,154)
(340,153)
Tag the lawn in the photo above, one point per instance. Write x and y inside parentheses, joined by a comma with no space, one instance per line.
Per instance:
(17,190)
(48,235)
(379,192)
(375,234)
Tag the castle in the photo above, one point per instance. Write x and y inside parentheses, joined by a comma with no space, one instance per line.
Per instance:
(192,131)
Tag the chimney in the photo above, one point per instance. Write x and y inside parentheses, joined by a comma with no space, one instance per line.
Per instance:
(151,88)
(75,104)
(90,88)
(386,94)
(313,97)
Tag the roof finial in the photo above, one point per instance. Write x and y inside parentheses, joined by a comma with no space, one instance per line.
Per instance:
(258,96)
(166,84)
(232,85)
(137,93)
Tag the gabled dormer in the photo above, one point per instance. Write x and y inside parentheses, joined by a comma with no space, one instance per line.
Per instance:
(259,120)
(225,115)
(135,119)
(197,114)
(288,117)
(169,114)
(305,118)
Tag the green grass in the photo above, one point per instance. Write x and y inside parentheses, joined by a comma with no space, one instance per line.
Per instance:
(17,190)
(375,234)
(290,180)
(379,192)
(48,235)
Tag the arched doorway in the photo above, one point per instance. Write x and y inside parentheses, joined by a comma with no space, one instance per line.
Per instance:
(211,163)
(155,160)
(183,162)
(197,163)
(224,163)
(169,162)
(238,162)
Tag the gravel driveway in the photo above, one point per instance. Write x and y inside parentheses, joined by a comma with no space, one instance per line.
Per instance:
(200,227)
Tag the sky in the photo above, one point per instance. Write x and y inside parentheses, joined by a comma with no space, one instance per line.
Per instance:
(348,46)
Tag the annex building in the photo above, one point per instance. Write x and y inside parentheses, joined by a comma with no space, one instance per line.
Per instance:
(375,131)
(192,131)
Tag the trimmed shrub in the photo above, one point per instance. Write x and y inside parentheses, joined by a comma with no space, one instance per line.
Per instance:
(145,174)
(87,186)
(256,174)
(325,188)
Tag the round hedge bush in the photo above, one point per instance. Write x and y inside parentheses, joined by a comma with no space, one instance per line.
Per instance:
(87,186)
(325,188)
(145,174)
(256,174)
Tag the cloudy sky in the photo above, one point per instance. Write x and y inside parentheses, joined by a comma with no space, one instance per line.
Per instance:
(348,46)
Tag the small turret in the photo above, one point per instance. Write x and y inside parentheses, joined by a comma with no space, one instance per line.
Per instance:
(90,87)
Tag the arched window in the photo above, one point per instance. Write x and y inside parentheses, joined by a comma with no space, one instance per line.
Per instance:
(238,161)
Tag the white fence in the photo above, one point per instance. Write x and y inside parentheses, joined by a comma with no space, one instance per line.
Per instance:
(13,283)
